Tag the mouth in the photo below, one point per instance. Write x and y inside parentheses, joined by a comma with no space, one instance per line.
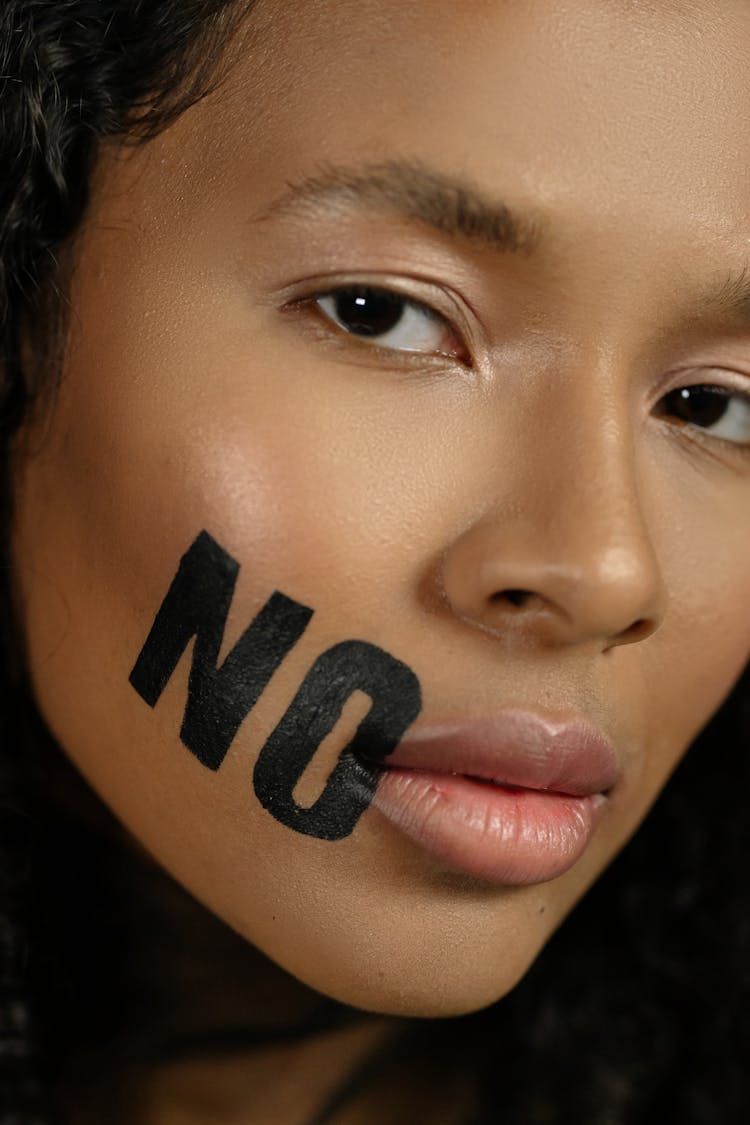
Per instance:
(513,799)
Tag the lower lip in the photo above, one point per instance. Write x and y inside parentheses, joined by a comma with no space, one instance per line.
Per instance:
(505,836)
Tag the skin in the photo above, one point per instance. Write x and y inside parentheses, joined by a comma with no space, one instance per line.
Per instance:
(402,496)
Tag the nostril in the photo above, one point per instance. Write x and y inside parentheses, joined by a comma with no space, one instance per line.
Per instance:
(515,597)
(639,630)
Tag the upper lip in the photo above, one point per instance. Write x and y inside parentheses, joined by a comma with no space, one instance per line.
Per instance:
(516,748)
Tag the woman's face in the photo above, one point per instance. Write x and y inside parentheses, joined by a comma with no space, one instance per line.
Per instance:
(510,502)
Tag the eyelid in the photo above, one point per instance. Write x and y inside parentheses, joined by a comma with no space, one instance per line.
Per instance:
(704,374)
(435,300)
(731,383)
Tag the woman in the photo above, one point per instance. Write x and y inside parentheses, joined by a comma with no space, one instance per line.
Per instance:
(377,430)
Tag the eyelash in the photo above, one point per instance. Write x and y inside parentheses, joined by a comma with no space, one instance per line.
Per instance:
(407,302)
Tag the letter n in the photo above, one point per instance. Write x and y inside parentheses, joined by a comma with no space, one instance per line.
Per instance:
(197,605)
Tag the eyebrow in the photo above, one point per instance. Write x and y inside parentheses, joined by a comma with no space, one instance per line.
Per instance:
(728,300)
(455,206)
(409,189)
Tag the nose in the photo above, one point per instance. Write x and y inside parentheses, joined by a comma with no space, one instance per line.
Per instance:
(562,554)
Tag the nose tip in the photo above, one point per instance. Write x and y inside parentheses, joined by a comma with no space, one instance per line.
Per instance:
(612,596)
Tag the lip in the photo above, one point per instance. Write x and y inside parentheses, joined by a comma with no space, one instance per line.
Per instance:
(512,798)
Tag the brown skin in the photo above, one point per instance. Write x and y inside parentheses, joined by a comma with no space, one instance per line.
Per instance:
(399,496)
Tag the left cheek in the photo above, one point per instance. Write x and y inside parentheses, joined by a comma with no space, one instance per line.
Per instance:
(711,620)
(707,646)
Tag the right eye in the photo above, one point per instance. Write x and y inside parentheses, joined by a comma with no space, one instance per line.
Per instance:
(388,319)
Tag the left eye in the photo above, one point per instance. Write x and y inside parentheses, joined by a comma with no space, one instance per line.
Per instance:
(717,410)
(389,319)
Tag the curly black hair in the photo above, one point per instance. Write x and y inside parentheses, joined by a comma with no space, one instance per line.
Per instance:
(637,1012)
(74,74)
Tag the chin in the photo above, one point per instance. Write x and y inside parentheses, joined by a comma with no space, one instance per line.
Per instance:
(417,987)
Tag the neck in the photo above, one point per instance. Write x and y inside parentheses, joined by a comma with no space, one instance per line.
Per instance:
(169,1015)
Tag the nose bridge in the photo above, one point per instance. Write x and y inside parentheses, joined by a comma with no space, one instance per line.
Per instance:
(570,549)
(594,514)
(586,489)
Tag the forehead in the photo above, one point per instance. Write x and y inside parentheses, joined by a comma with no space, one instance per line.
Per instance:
(622,126)
(571,99)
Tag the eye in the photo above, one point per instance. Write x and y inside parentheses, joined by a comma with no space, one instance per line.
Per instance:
(722,413)
(389,319)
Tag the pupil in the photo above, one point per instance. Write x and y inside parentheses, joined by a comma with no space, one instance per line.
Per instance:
(701,406)
(369,312)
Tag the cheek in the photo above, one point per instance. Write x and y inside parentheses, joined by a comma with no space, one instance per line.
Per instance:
(261,456)
(94,563)
(706,637)
(252,446)
(678,678)
(124,482)
(203,422)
